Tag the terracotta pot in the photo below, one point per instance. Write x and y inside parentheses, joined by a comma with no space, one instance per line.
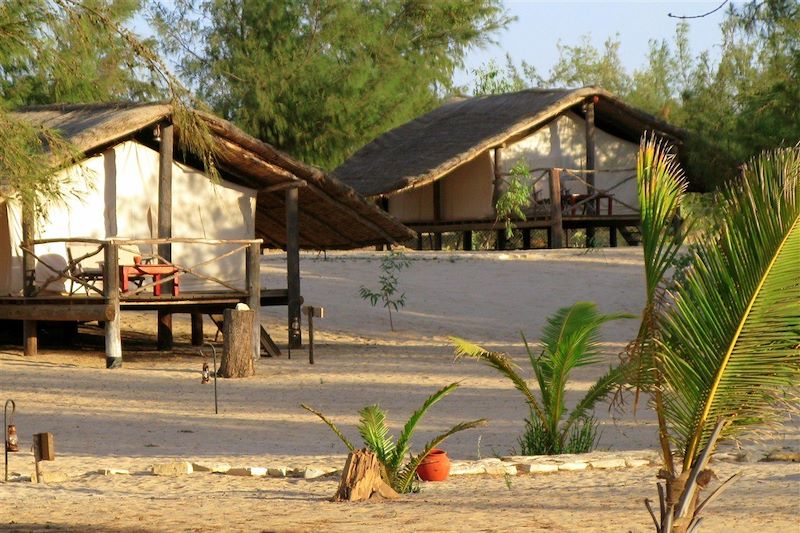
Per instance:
(435,467)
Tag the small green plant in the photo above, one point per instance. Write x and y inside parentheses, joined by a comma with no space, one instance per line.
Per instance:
(569,340)
(391,265)
(517,196)
(398,472)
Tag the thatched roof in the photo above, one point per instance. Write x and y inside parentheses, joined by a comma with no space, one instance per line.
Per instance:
(332,215)
(428,147)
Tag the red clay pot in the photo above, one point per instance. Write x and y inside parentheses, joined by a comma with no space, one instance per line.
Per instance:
(435,467)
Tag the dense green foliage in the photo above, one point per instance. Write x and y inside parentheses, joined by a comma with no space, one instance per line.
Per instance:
(320,79)
(398,471)
(734,106)
(570,340)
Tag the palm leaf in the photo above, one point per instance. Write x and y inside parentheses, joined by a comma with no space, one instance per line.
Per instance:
(375,432)
(331,425)
(571,339)
(502,364)
(599,390)
(730,343)
(538,371)
(402,482)
(661,187)
(404,442)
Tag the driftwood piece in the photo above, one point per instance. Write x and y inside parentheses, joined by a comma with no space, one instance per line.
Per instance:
(361,479)
(237,352)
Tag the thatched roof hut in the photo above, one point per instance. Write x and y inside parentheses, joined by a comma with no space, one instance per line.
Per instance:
(331,214)
(428,147)
(444,171)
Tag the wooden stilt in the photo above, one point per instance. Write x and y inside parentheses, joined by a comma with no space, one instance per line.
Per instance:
(612,236)
(165,225)
(526,238)
(556,232)
(500,242)
(29,328)
(419,241)
(197,329)
(293,268)
(253,280)
(111,294)
(467,240)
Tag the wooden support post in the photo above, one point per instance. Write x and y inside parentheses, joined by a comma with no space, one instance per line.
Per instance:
(29,329)
(437,213)
(419,241)
(526,238)
(556,227)
(165,225)
(612,236)
(467,240)
(197,329)
(293,268)
(253,280)
(111,294)
(500,243)
(590,168)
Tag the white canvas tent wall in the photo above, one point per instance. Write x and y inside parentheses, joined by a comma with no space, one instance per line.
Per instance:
(468,191)
(115,194)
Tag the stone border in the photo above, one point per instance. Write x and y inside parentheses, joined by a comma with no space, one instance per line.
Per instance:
(504,466)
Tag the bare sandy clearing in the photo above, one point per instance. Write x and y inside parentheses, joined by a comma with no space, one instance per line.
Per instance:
(155,408)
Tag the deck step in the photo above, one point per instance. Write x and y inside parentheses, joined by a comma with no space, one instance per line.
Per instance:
(267,344)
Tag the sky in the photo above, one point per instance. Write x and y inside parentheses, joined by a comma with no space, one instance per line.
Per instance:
(540,25)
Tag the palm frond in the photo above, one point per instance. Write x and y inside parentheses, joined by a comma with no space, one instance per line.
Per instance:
(730,342)
(538,370)
(404,441)
(502,364)
(571,339)
(598,391)
(331,425)
(373,429)
(403,480)
(661,186)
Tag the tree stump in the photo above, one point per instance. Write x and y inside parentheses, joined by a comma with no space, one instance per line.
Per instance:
(361,479)
(237,350)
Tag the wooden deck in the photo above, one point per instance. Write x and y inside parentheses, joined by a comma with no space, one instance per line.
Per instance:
(81,308)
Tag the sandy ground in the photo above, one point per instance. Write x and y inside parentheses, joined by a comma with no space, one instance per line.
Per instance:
(155,409)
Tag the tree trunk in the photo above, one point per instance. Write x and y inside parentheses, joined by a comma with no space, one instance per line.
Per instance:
(237,352)
(361,479)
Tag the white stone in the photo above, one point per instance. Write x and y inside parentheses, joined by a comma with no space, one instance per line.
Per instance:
(248,471)
(176,468)
(113,471)
(573,466)
(317,471)
(633,462)
(603,464)
(216,468)
(466,468)
(500,469)
(536,468)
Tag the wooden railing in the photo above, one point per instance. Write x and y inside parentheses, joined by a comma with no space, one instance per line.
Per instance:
(106,253)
